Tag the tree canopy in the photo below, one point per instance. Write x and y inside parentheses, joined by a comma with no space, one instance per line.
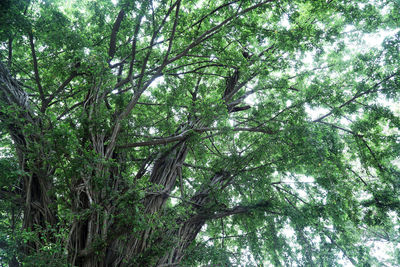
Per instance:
(199,133)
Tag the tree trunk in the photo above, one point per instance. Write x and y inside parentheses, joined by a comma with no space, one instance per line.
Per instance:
(36,182)
(95,238)
(166,169)
(187,230)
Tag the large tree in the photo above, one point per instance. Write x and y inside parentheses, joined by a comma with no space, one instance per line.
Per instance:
(181,133)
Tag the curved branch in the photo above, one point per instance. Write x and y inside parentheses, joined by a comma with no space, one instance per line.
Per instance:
(240,209)
(35,68)
(358,95)
(185,134)
(113,38)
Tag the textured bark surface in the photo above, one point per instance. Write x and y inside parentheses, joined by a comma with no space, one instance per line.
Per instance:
(187,230)
(85,233)
(35,182)
(97,235)
(183,133)
(166,169)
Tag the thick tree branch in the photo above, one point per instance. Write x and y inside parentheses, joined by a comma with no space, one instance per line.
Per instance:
(185,134)
(240,209)
(10,52)
(11,93)
(61,87)
(113,38)
(171,39)
(139,88)
(36,70)
(162,141)
(133,52)
(340,128)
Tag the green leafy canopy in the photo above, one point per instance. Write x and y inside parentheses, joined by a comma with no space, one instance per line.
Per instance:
(199,133)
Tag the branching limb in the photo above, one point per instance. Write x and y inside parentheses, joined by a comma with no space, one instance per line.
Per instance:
(185,134)
(113,38)
(171,39)
(36,71)
(358,95)
(240,209)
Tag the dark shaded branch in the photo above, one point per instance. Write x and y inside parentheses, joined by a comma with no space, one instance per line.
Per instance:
(185,134)
(70,109)
(178,3)
(373,155)
(11,196)
(340,247)
(198,68)
(240,99)
(227,97)
(286,109)
(134,42)
(358,95)
(62,86)
(236,109)
(163,141)
(240,209)
(10,52)
(113,38)
(288,192)
(358,176)
(35,69)
(212,12)
(140,89)
(340,128)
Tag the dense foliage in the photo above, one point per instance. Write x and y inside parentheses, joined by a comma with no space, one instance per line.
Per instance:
(199,133)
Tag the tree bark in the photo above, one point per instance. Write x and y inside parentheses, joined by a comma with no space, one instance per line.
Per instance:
(36,181)
(84,233)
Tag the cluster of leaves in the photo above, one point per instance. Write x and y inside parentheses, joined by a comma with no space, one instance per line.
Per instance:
(278,185)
